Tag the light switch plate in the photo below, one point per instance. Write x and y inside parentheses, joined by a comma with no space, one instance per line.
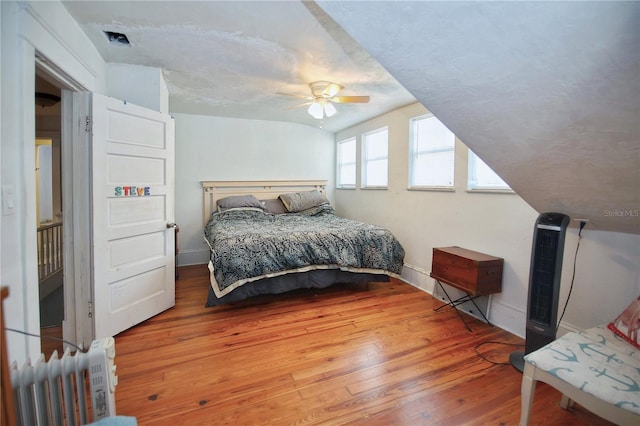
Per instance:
(8,200)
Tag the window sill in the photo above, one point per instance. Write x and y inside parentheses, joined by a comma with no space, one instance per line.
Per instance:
(375,187)
(432,188)
(490,191)
(348,188)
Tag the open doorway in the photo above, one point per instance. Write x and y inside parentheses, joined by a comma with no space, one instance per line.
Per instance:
(48,119)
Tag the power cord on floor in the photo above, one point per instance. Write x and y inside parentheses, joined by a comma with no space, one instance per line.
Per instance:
(475,348)
(45,337)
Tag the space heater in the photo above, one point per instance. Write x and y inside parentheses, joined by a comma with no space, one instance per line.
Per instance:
(544,284)
(55,392)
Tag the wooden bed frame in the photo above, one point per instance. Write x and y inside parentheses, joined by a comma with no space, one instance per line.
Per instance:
(262,189)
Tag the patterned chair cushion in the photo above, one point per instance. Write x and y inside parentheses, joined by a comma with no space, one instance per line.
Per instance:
(596,361)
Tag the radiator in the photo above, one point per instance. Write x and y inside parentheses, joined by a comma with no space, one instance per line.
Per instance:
(65,391)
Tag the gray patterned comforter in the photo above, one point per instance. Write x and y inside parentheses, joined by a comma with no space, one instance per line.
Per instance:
(249,244)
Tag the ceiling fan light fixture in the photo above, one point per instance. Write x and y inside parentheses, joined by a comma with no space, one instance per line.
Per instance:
(322,98)
(329,109)
(316,111)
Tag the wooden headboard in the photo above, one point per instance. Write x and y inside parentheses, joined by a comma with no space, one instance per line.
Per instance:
(262,189)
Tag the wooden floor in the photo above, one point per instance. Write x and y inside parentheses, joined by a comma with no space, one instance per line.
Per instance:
(378,356)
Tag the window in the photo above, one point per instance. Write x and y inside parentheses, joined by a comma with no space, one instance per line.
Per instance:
(481,177)
(346,167)
(432,155)
(375,158)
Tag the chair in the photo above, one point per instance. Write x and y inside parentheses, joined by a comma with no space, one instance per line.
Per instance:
(595,368)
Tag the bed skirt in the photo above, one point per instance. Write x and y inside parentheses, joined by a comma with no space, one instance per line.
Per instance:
(320,278)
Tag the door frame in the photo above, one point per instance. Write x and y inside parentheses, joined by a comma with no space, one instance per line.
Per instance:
(77,229)
(75,166)
(31,38)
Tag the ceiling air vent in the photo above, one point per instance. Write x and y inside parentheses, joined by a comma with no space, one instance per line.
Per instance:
(117,38)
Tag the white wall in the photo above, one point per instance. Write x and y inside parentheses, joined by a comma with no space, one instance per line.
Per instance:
(215,148)
(497,224)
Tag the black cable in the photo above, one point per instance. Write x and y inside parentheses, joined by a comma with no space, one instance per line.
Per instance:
(475,348)
(573,276)
(45,337)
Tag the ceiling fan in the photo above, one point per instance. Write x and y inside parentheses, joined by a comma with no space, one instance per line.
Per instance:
(322,98)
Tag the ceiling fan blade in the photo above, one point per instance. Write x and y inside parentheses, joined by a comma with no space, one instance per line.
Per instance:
(350,99)
(331,90)
(295,95)
(298,106)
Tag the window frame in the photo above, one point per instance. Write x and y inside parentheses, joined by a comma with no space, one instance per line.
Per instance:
(413,154)
(365,160)
(340,164)
(472,162)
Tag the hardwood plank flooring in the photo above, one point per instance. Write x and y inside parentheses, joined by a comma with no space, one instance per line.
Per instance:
(343,355)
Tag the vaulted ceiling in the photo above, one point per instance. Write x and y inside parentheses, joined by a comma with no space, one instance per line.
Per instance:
(547,93)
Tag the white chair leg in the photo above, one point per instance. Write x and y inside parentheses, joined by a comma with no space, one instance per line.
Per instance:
(566,402)
(527,393)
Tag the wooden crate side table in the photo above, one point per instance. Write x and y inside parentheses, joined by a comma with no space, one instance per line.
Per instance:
(474,273)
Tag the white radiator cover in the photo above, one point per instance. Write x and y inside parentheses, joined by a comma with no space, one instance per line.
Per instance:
(54,392)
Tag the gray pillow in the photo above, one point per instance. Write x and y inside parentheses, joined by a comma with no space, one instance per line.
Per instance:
(235,201)
(298,201)
(274,206)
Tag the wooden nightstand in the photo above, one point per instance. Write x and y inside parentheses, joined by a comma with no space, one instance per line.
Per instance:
(474,273)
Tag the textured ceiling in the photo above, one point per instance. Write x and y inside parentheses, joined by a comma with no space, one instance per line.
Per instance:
(547,93)
(229,58)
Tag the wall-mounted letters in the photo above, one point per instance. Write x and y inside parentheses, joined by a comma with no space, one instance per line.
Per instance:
(132,191)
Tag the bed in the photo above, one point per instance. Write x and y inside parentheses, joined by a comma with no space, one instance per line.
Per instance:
(270,237)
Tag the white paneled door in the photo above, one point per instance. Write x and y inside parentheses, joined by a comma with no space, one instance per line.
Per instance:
(132,187)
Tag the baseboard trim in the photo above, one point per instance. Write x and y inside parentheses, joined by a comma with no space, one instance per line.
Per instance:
(193,257)
(504,315)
